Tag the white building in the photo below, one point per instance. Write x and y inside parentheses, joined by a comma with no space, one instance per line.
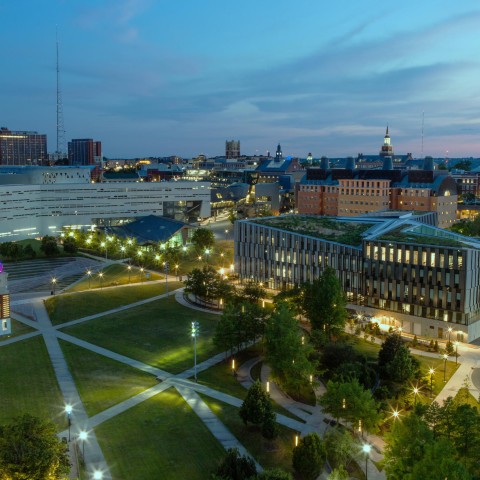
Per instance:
(36,201)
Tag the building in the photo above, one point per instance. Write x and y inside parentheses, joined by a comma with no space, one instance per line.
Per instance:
(387,148)
(5,322)
(22,148)
(352,192)
(35,201)
(84,151)
(467,182)
(232,148)
(395,267)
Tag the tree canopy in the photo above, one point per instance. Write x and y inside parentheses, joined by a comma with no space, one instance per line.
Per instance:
(30,449)
(309,456)
(324,303)
(203,238)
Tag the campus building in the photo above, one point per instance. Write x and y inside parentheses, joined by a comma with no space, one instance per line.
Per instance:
(22,148)
(402,271)
(36,201)
(84,151)
(353,192)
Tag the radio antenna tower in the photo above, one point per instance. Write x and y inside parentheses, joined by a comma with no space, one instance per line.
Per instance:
(423,121)
(60,126)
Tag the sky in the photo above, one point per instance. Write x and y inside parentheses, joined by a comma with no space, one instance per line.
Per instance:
(159,78)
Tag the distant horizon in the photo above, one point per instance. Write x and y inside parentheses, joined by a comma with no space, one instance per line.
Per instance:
(145,76)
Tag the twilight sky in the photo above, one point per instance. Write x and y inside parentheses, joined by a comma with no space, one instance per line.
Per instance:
(157,77)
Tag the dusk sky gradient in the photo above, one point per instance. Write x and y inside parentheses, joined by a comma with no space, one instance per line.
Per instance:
(157,78)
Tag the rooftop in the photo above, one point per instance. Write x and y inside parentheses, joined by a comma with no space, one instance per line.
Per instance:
(341,231)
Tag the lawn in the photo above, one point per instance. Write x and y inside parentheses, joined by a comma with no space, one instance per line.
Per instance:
(275,453)
(71,306)
(18,328)
(117,274)
(28,383)
(157,333)
(162,438)
(101,381)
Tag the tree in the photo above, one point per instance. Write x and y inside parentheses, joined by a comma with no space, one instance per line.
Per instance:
(30,449)
(389,349)
(253,292)
(29,251)
(70,245)
(351,402)
(309,456)
(466,423)
(236,467)
(287,357)
(203,238)
(402,367)
(406,445)
(439,462)
(324,303)
(339,446)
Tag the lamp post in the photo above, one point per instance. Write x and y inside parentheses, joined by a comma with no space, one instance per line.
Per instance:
(165,269)
(195,328)
(68,411)
(431,371)
(366,450)
(449,333)
(226,234)
(456,353)
(97,475)
(129,268)
(104,245)
(89,273)
(122,249)
(101,279)
(54,283)
(176,270)
(445,356)
(141,273)
(207,251)
(83,436)
(415,392)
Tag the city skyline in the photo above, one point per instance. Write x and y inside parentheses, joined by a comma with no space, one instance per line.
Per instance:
(157,78)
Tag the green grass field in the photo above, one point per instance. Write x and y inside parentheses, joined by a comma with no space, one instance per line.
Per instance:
(162,438)
(157,333)
(113,275)
(28,383)
(275,453)
(101,381)
(71,306)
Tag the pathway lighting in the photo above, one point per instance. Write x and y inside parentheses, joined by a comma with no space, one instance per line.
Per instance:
(366,450)
(68,411)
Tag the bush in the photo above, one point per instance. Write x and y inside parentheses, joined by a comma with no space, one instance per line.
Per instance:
(236,467)
(309,457)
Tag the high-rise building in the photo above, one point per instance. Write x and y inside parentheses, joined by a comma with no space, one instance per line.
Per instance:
(84,151)
(232,148)
(22,148)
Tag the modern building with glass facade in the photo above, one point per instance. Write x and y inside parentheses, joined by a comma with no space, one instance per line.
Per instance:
(403,272)
(22,148)
(36,201)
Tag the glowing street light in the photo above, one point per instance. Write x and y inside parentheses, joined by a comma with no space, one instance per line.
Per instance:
(83,436)
(101,279)
(449,333)
(431,371)
(141,273)
(89,273)
(129,268)
(122,249)
(97,475)
(195,330)
(207,251)
(54,283)
(415,393)
(366,450)
(445,356)
(68,411)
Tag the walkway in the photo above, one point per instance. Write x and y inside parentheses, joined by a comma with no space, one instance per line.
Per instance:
(311,417)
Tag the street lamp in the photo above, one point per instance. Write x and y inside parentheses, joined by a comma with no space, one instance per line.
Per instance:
(431,372)
(207,251)
(195,329)
(445,356)
(122,249)
(104,245)
(97,475)
(129,268)
(415,392)
(176,270)
(456,353)
(89,273)
(366,450)
(83,436)
(68,411)
(141,274)
(166,266)
(226,234)
(101,279)
(449,333)
(54,283)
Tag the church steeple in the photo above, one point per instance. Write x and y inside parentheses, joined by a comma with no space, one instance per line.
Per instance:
(278,154)
(387,148)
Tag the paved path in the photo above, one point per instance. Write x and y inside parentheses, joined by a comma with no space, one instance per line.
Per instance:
(312,416)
